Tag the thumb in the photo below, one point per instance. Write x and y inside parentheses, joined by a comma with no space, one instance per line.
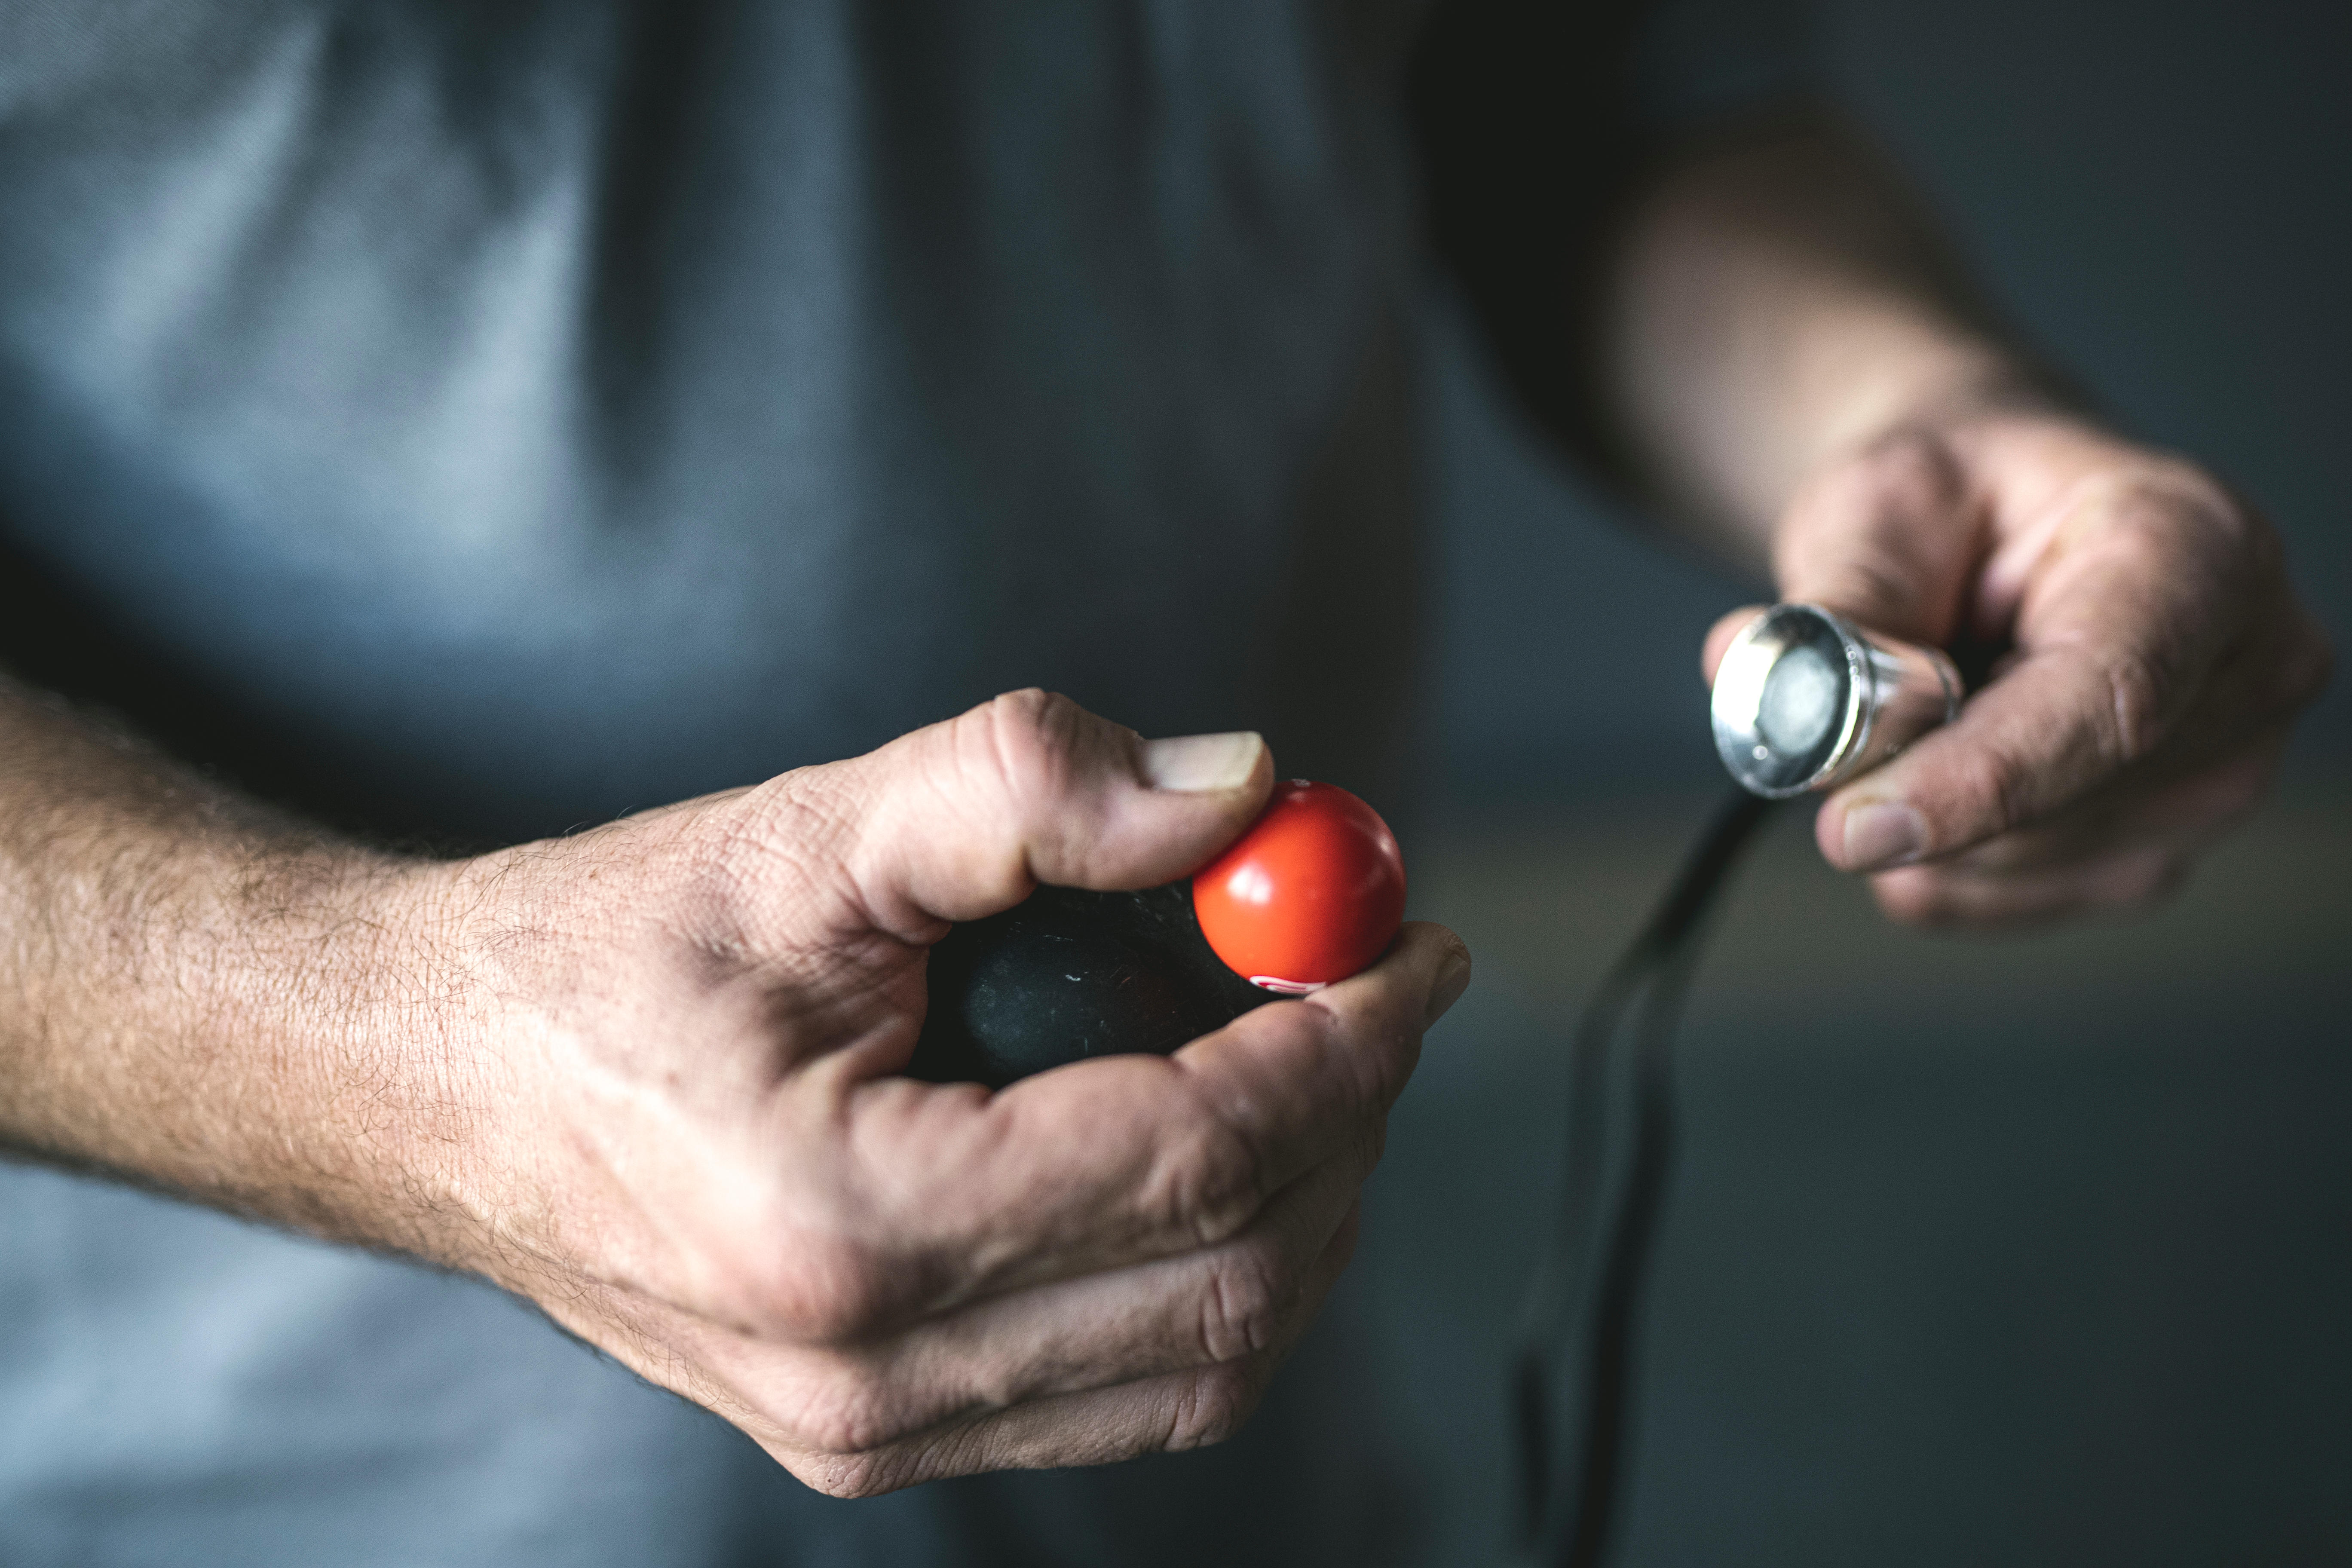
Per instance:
(965,817)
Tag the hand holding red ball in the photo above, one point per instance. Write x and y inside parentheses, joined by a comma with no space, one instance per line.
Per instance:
(1313,894)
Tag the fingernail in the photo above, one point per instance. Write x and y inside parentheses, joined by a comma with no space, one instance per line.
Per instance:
(1452,981)
(1201,763)
(1886,833)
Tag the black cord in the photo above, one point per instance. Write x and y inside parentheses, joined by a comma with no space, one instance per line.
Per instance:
(1654,975)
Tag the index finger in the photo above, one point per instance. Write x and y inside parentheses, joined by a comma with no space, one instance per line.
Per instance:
(1123,1159)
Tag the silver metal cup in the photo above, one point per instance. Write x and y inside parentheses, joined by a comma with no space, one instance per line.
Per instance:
(1803,700)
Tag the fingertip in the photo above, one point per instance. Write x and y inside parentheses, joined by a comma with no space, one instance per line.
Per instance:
(1829,832)
(1719,636)
(1453,980)
(1433,951)
(1427,960)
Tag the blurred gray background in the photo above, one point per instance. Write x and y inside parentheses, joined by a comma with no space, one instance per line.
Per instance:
(2022,1251)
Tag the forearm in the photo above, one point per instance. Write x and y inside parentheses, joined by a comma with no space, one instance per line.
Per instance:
(197,988)
(1775,300)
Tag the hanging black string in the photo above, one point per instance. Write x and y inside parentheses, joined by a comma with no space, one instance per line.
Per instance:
(1593,1278)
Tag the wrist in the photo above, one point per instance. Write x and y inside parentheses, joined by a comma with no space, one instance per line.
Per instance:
(294,1051)
(393,1035)
(318,1022)
(213,999)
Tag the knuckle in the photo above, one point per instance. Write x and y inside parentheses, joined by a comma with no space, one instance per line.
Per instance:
(1216,1403)
(1907,465)
(2166,506)
(1032,762)
(1885,533)
(1912,469)
(1991,783)
(850,1410)
(1247,1289)
(1030,739)
(1207,1186)
(1369,1057)
(831,1291)
(845,1475)
(2168,556)
(1906,473)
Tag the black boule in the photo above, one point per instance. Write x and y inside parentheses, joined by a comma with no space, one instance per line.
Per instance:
(1067,974)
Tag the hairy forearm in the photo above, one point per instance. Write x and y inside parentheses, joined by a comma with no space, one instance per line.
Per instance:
(200,996)
(1778,298)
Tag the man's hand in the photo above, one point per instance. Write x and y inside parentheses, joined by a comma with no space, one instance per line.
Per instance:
(645,1076)
(2153,657)
(1803,374)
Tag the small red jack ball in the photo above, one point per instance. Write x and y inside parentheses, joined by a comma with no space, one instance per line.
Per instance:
(1312,893)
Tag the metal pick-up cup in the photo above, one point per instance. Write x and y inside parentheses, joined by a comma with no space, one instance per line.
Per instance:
(1804,701)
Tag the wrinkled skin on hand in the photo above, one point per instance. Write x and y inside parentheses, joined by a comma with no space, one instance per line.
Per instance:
(668,1114)
(2154,657)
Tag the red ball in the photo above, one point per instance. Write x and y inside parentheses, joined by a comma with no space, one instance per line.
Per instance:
(1312,893)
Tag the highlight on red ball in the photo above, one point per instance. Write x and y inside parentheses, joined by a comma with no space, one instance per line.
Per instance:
(1314,892)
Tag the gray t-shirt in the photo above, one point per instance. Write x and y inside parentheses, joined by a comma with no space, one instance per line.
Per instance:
(465,421)
(489,418)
